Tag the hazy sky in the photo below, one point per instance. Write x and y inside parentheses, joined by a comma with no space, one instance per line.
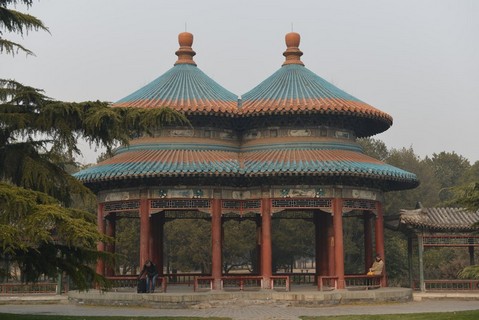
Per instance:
(416,60)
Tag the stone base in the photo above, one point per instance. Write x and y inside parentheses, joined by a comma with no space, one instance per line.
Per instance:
(217,298)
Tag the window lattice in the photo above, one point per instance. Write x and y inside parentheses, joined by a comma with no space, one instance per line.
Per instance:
(231,204)
(301,203)
(180,204)
(450,241)
(122,205)
(251,204)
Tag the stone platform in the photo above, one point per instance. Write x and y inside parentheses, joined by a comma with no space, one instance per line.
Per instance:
(185,298)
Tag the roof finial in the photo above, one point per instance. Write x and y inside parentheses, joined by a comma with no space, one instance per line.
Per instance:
(292,53)
(185,53)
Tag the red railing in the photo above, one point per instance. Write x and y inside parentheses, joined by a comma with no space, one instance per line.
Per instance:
(181,278)
(357,281)
(352,281)
(203,283)
(450,285)
(280,282)
(326,283)
(299,278)
(131,281)
(32,288)
(242,283)
(451,241)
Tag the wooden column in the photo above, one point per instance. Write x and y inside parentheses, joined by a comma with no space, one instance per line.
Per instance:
(257,268)
(155,240)
(216,245)
(338,241)
(319,246)
(110,247)
(144,230)
(368,241)
(324,222)
(420,245)
(100,265)
(409,260)
(330,245)
(161,240)
(379,226)
(266,245)
(471,253)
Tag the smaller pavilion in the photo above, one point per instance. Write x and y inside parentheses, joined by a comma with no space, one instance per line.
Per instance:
(436,227)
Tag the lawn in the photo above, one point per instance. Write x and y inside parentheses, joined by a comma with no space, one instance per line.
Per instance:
(8,316)
(462,315)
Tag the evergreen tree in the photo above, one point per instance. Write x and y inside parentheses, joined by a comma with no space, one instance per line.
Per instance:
(16,22)
(39,230)
(449,169)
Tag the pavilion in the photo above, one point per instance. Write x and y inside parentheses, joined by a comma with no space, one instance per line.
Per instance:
(287,145)
(433,228)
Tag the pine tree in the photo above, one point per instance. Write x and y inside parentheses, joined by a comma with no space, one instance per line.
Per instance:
(40,231)
(16,22)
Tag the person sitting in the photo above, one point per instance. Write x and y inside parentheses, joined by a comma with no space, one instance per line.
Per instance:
(151,273)
(377,267)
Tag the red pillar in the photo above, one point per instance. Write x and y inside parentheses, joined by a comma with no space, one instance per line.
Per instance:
(379,226)
(326,238)
(216,244)
(319,247)
(257,269)
(144,230)
(266,247)
(330,245)
(110,247)
(161,236)
(100,265)
(338,241)
(368,241)
(154,240)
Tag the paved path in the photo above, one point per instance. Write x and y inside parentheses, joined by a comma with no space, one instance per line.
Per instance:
(236,310)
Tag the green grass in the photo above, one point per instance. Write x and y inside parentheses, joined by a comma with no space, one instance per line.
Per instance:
(460,315)
(5,316)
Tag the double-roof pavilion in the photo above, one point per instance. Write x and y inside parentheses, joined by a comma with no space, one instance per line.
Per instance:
(288,144)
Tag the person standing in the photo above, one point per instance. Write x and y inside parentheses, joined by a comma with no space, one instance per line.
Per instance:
(151,273)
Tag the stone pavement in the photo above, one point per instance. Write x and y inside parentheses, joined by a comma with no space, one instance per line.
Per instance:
(239,310)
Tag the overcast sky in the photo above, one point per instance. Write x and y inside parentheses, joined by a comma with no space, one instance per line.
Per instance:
(416,60)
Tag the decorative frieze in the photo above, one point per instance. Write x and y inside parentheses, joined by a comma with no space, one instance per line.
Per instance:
(353,204)
(118,195)
(281,204)
(122,206)
(241,206)
(180,204)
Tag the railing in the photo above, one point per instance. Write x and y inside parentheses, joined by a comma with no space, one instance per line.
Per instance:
(299,278)
(203,283)
(353,281)
(181,278)
(241,282)
(451,241)
(362,281)
(280,282)
(326,283)
(450,285)
(127,282)
(33,288)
